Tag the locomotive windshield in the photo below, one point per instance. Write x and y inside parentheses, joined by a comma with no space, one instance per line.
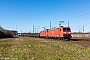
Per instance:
(66,29)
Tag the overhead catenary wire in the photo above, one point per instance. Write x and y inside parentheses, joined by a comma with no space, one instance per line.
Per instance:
(79,16)
(74,21)
(77,13)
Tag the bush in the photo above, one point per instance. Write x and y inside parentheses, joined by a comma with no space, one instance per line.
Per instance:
(5,34)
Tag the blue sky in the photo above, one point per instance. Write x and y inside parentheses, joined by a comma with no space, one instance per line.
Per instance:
(26,13)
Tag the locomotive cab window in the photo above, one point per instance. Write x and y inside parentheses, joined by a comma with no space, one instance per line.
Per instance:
(66,29)
(60,29)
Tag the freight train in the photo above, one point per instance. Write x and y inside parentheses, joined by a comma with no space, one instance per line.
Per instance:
(58,33)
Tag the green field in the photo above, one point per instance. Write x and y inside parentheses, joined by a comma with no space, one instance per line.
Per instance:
(27,48)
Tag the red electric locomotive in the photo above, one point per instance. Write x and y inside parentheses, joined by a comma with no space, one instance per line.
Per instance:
(60,33)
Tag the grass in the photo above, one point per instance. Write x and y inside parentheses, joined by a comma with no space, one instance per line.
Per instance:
(27,48)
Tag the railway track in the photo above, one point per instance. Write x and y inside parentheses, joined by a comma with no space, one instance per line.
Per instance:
(80,41)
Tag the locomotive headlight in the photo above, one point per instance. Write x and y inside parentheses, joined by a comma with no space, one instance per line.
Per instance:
(64,32)
(69,32)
